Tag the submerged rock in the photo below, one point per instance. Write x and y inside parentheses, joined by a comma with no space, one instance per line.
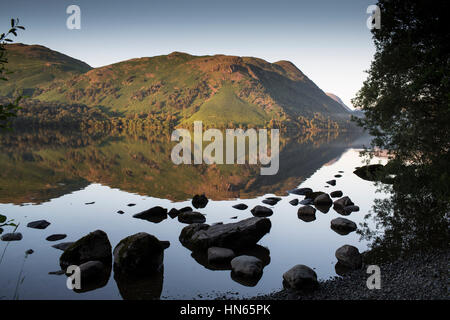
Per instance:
(349,256)
(301,191)
(199,201)
(140,287)
(261,211)
(247,267)
(241,234)
(343,226)
(138,254)
(300,277)
(217,255)
(14,236)
(94,246)
(29,251)
(39,224)
(240,206)
(336,194)
(155,214)
(56,237)
(191,217)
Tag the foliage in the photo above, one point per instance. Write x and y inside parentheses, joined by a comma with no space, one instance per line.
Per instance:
(7,110)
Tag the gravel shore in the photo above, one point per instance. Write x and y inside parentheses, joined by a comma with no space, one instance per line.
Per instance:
(421,276)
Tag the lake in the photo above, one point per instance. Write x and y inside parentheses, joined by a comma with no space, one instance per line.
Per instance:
(52,175)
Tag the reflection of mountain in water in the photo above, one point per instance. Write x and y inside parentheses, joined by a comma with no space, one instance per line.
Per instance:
(43,165)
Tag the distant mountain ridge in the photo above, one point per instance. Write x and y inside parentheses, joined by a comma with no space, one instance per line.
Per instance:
(217,89)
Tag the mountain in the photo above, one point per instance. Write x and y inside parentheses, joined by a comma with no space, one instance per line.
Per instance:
(35,66)
(217,89)
(338,100)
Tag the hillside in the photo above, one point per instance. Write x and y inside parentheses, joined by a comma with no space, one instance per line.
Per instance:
(216,89)
(35,66)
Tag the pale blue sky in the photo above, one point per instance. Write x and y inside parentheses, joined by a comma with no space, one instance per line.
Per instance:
(327,40)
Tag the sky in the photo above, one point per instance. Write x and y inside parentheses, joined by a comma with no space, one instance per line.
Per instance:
(328,40)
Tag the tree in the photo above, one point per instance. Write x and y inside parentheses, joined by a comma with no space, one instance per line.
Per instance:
(406,101)
(10,109)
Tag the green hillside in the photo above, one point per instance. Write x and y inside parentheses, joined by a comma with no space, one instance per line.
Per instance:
(33,67)
(217,89)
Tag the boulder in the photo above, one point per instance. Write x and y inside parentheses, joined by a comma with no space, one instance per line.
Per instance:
(56,237)
(191,217)
(219,255)
(240,206)
(294,202)
(351,208)
(155,214)
(185,209)
(343,226)
(336,194)
(138,254)
(323,200)
(247,266)
(199,201)
(94,246)
(39,224)
(261,211)
(306,213)
(241,234)
(94,275)
(271,201)
(14,236)
(349,256)
(343,202)
(301,191)
(300,277)
(63,245)
(332,182)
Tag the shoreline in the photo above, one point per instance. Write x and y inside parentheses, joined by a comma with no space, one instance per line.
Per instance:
(420,276)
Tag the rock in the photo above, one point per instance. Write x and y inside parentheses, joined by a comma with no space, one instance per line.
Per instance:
(247,267)
(131,204)
(138,254)
(165,244)
(120,212)
(301,191)
(336,194)
(87,203)
(338,175)
(155,214)
(351,208)
(323,200)
(261,211)
(39,224)
(14,236)
(91,270)
(372,172)
(343,226)
(140,287)
(58,273)
(234,217)
(29,251)
(241,234)
(173,213)
(300,277)
(294,202)
(306,213)
(271,201)
(94,246)
(63,245)
(240,206)
(56,237)
(191,217)
(323,208)
(306,202)
(349,256)
(199,201)
(332,182)
(185,209)
(313,195)
(219,255)
(343,202)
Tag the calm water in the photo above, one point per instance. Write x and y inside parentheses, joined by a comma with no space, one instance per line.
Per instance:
(48,175)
